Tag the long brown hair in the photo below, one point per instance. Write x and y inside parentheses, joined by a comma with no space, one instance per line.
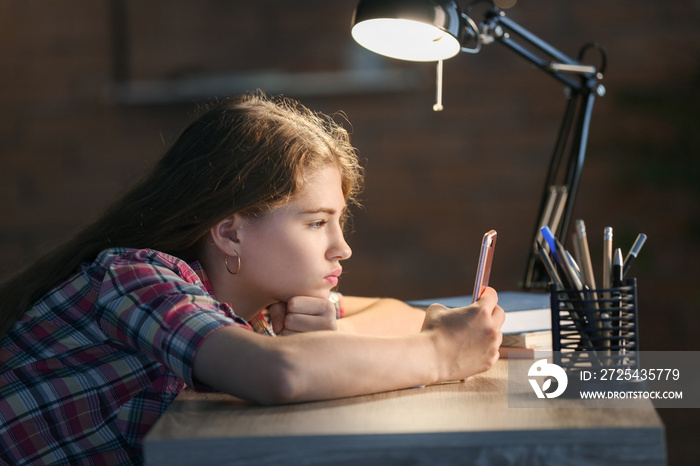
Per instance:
(246,155)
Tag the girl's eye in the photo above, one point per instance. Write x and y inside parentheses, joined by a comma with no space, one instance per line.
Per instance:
(319,224)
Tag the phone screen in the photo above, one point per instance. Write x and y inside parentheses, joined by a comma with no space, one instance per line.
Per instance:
(483,271)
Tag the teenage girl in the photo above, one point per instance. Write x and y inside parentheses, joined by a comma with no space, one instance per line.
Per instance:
(215,272)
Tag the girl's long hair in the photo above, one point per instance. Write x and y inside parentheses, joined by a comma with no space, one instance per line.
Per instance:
(246,155)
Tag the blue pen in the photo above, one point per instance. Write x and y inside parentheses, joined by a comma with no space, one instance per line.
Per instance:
(551,242)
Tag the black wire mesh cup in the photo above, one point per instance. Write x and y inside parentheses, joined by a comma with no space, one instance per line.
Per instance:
(595,328)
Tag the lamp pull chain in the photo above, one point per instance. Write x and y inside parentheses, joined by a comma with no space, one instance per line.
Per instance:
(438,104)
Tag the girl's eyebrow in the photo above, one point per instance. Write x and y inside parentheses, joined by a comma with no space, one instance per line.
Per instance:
(322,210)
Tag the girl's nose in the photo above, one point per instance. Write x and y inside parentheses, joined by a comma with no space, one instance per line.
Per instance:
(340,249)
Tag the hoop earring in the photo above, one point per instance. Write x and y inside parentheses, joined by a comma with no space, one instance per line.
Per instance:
(238,264)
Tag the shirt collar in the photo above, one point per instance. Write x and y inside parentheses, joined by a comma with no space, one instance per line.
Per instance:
(196,266)
(260,323)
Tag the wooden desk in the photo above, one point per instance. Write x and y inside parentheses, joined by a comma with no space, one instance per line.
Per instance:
(460,423)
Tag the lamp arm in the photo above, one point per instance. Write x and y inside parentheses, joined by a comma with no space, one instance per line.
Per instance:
(496,26)
(576,123)
(582,85)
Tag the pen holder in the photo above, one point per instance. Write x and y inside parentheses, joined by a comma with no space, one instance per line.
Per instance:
(595,328)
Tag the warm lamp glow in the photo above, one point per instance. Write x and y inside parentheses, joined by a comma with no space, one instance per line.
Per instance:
(405,39)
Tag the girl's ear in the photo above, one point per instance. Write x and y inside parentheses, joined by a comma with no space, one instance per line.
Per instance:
(225,234)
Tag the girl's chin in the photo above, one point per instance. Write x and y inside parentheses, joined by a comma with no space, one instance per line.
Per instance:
(321,293)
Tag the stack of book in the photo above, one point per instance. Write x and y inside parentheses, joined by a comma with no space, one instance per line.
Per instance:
(526,344)
(527,330)
(528,326)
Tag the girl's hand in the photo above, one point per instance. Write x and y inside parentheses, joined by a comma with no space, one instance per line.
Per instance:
(302,314)
(466,339)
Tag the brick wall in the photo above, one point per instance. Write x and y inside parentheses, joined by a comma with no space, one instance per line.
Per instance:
(71,139)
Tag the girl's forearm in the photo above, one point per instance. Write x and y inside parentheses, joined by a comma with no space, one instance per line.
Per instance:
(312,366)
(453,344)
(380,316)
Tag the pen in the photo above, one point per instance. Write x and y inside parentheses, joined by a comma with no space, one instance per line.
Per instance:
(548,265)
(607,282)
(586,265)
(617,265)
(562,266)
(570,276)
(577,253)
(574,271)
(634,251)
(607,257)
(560,283)
(587,275)
(617,268)
(551,242)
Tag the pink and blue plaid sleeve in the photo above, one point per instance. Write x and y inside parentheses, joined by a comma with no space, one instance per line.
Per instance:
(161,309)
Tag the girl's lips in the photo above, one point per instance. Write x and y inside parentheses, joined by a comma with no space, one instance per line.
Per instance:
(332,278)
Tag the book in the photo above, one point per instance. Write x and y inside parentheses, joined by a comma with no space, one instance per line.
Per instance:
(526,345)
(508,352)
(525,311)
(532,340)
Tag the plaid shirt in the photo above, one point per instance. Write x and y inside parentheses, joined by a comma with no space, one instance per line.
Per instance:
(91,366)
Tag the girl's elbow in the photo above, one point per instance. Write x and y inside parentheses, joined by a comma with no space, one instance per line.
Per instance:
(284,384)
(279,391)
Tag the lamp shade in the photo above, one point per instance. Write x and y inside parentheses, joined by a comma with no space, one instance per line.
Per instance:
(416,30)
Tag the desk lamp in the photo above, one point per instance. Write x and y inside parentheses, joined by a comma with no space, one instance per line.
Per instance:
(435,30)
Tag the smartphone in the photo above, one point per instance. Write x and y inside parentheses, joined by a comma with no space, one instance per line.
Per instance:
(483,271)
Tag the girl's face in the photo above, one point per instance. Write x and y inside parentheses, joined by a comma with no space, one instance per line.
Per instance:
(296,249)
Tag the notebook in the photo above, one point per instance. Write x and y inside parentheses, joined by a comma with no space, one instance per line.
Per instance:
(525,311)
